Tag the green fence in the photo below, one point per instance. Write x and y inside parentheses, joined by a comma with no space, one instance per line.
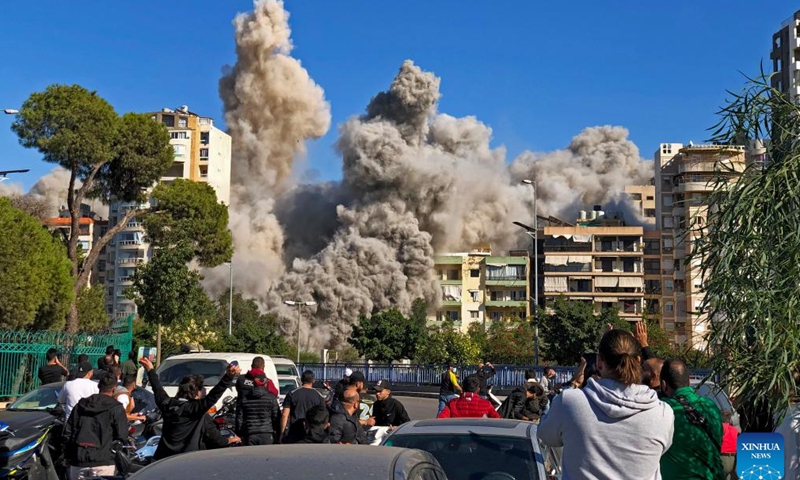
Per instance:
(22,353)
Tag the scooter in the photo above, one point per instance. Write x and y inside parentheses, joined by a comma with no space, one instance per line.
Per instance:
(26,453)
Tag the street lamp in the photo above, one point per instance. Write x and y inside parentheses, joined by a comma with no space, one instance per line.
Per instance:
(299,305)
(534,234)
(230,301)
(10,111)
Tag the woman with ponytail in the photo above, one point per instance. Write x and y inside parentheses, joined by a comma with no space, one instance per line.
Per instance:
(613,427)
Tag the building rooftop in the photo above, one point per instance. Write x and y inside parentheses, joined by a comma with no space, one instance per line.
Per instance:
(59,221)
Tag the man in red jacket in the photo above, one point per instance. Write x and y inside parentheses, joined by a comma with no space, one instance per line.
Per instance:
(469,404)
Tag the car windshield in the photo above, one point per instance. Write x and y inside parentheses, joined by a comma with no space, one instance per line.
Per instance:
(173,371)
(286,385)
(40,399)
(288,370)
(476,457)
(715,393)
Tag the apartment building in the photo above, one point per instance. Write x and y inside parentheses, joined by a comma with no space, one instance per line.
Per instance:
(478,287)
(643,198)
(202,153)
(91,228)
(785,57)
(684,177)
(599,261)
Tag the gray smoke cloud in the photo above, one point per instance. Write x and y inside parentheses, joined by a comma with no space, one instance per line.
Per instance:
(53,188)
(272,107)
(593,169)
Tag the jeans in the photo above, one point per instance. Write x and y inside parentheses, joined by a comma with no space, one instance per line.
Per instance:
(443,399)
(258,439)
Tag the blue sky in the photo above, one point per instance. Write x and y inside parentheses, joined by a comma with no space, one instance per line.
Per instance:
(536,72)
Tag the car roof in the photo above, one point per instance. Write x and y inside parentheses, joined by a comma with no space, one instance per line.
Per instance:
(282,361)
(331,462)
(227,356)
(480,426)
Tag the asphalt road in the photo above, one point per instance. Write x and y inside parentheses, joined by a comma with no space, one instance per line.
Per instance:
(419,408)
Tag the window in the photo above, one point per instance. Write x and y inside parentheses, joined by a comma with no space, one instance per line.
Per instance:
(453,315)
(496,316)
(669,307)
(668,201)
(475,295)
(180,150)
(204,153)
(183,122)
(204,136)
(168,120)
(474,314)
(518,295)
(474,273)
(650,212)
(650,198)
(636,196)
(101,265)
(669,285)
(203,172)
(453,274)
(179,135)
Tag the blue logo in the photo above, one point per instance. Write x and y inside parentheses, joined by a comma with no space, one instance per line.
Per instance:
(760,456)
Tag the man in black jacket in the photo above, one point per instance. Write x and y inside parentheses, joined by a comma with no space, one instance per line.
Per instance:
(184,421)
(387,411)
(317,423)
(258,416)
(523,403)
(95,422)
(484,373)
(345,425)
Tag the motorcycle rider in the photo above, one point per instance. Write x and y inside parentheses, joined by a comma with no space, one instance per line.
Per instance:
(95,422)
(185,414)
(258,416)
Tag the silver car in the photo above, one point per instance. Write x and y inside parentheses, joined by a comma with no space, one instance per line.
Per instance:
(476,448)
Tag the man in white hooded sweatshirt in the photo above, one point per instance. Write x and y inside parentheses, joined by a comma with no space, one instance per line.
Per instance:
(614,428)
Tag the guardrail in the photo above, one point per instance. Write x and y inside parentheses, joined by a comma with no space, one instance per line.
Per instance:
(507,376)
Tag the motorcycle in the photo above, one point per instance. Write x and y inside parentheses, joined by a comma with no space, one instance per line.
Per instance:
(27,453)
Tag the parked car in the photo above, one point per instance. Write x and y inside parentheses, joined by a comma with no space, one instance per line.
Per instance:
(291,462)
(286,385)
(285,367)
(476,448)
(717,394)
(35,409)
(211,366)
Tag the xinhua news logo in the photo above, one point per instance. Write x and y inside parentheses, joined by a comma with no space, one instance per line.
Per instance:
(760,456)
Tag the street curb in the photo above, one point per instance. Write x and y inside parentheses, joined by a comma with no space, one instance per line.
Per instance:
(417,394)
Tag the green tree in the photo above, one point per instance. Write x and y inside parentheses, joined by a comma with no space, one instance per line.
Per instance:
(749,249)
(35,282)
(109,157)
(574,329)
(92,314)
(510,342)
(386,336)
(166,291)
(189,216)
(448,344)
(253,331)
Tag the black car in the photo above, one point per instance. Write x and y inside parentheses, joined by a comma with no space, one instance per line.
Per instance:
(298,462)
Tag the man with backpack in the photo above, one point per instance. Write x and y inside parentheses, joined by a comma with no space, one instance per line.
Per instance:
(95,422)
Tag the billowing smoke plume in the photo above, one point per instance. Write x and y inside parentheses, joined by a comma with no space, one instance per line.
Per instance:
(593,169)
(52,188)
(271,107)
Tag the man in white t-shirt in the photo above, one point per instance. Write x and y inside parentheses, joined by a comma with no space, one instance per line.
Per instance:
(75,390)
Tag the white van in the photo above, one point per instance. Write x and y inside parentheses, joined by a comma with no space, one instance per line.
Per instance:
(211,366)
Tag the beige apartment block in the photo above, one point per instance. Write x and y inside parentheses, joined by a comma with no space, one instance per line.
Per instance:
(600,262)
(644,200)
(202,153)
(684,178)
(478,287)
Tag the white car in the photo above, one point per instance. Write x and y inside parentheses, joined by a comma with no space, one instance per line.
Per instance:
(286,385)
(714,392)
(211,366)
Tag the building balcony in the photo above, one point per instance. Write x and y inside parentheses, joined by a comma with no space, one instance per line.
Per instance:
(695,187)
(133,225)
(509,280)
(131,261)
(451,303)
(129,244)
(587,247)
(125,280)
(457,281)
(507,303)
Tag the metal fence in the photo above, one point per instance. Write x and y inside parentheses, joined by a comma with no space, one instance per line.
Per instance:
(507,376)
(22,353)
